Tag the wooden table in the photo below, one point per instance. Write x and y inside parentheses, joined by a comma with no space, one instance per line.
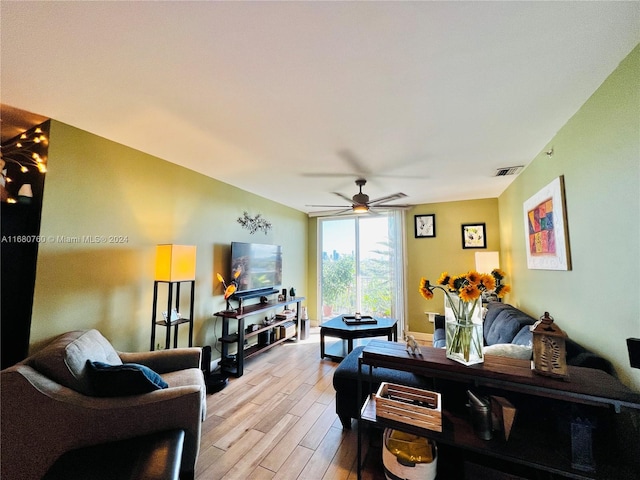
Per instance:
(532,442)
(336,327)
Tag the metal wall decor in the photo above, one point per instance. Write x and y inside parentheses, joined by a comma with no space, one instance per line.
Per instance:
(253,224)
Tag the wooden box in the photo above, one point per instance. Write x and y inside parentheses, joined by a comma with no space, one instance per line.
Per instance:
(413,406)
(288,330)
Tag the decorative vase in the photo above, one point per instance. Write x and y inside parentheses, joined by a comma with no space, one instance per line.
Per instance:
(464,338)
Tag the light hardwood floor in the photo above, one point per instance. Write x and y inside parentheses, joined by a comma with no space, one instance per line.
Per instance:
(278,421)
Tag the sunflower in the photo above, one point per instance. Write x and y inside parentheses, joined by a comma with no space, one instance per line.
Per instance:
(473,277)
(498,274)
(469,287)
(469,292)
(502,290)
(425,289)
(487,281)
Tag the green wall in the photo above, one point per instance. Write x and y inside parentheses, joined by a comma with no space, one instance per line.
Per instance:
(429,257)
(598,151)
(96,187)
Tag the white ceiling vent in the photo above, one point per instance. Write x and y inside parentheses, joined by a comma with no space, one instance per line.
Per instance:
(501,172)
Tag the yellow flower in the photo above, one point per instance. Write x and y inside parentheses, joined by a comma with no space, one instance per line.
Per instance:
(502,290)
(220,278)
(444,279)
(237,273)
(469,292)
(426,293)
(498,274)
(473,277)
(488,281)
(424,289)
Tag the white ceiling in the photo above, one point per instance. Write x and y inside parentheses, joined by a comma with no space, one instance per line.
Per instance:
(424,98)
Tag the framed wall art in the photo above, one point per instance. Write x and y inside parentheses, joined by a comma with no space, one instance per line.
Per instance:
(425,225)
(545,227)
(474,235)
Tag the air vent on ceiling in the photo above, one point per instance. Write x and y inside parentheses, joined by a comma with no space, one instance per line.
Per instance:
(501,172)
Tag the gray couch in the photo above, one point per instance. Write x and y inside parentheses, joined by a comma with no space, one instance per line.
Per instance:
(506,333)
(50,404)
(506,325)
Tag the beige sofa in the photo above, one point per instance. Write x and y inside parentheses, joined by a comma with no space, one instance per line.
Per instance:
(48,403)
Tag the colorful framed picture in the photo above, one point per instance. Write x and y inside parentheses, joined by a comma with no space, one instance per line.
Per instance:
(474,235)
(425,226)
(545,227)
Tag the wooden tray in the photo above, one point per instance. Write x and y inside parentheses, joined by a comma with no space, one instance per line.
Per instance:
(413,406)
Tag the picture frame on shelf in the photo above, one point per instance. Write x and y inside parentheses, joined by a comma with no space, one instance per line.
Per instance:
(545,228)
(474,235)
(425,225)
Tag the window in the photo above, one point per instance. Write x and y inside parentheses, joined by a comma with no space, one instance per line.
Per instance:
(361,265)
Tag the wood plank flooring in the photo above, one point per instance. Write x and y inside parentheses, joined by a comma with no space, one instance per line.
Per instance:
(278,421)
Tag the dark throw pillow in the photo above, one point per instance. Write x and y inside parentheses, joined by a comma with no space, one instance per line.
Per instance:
(122,380)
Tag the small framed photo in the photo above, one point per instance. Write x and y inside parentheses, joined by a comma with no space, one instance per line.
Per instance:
(425,225)
(474,235)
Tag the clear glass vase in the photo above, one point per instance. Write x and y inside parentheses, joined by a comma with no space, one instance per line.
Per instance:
(464,338)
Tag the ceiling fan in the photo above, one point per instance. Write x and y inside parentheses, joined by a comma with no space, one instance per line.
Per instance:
(360,202)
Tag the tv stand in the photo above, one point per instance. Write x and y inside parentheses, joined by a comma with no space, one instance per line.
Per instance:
(235,366)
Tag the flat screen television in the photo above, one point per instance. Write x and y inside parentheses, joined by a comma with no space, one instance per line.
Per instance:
(260,266)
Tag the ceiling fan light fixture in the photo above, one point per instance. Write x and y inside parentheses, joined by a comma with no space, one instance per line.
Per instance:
(360,208)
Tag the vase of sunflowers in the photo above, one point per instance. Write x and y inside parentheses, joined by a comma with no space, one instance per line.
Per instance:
(464,334)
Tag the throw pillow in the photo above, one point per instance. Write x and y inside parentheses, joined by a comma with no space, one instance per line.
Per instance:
(509,350)
(122,380)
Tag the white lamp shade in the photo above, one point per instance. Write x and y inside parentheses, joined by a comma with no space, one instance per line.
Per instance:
(486,262)
(175,263)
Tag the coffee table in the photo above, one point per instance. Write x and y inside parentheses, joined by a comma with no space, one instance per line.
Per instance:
(336,327)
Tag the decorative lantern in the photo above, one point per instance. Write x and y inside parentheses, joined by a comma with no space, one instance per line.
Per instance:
(549,348)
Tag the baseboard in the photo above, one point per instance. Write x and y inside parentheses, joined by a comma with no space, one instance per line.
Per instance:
(422,337)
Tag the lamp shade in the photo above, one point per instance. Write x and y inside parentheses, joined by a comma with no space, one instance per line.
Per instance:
(486,262)
(175,263)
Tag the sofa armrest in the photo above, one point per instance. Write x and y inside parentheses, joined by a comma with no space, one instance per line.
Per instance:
(163,361)
(42,419)
(439,338)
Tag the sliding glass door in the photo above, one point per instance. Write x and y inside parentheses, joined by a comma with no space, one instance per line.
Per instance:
(361,265)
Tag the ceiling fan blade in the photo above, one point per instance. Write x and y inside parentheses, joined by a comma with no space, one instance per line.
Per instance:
(328,175)
(344,197)
(329,213)
(328,206)
(382,208)
(387,198)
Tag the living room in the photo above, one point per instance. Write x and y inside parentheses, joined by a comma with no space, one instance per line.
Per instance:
(95,186)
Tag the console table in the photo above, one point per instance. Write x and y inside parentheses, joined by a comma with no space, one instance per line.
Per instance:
(533,442)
